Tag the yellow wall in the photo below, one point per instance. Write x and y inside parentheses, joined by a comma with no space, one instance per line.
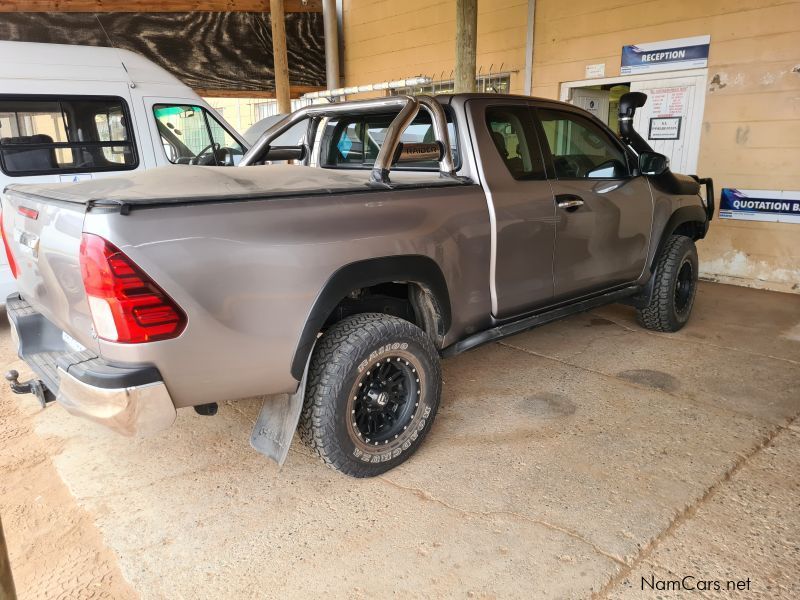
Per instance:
(394,39)
(751,124)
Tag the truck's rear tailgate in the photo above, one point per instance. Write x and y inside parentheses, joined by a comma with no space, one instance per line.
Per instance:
(44,238)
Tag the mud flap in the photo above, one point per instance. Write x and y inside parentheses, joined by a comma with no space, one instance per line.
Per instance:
(276,423)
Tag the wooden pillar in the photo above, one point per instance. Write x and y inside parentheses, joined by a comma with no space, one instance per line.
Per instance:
(280,58)
(466,44)
(7,591)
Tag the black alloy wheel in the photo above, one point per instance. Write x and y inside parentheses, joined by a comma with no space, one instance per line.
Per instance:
(684,286)
(385,400)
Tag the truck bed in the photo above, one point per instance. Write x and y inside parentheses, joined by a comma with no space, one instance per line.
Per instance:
(179,185)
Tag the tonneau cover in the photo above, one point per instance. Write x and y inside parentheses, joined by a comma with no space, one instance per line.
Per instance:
(181,184)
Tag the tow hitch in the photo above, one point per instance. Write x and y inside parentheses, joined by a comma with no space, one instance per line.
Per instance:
(34,386)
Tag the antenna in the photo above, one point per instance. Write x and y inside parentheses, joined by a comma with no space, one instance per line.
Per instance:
(116,50)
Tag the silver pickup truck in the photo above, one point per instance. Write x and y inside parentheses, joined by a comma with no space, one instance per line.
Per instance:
(406,230)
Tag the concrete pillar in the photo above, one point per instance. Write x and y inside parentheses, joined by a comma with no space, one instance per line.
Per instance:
(7,591)
(466,44)
(282,94)
(331,25)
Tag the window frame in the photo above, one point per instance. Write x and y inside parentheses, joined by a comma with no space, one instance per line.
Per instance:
(454,141)
(548,154)
(535,131)
(131,141)
(207,126)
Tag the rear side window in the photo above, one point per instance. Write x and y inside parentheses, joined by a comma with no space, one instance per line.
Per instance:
(580,148)
(354,142)
(46,135)
(511,128)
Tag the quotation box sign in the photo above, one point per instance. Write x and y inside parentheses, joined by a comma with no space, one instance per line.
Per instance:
(669,55)
(760,205)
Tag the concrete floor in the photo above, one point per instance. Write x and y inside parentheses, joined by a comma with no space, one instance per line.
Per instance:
(570,461)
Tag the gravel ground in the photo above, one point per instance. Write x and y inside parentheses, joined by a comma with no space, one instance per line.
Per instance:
(585,458)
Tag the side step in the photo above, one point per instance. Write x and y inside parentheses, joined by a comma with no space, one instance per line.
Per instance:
(525,323)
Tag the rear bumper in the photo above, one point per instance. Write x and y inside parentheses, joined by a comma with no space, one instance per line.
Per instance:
(130,399)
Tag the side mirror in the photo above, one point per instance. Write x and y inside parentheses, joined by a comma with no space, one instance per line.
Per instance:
(653,163)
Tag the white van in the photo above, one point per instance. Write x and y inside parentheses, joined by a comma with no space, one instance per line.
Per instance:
(69,113)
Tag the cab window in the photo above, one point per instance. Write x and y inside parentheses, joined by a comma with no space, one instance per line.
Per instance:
(190,135)
(580,148)
(511,128)
(48,135)
(354,142)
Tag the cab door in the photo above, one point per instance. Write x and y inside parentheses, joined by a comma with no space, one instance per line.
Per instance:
(521,208)
(603,213)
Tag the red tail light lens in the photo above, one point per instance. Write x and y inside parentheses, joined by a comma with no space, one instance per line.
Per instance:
(127,306)
(12,264)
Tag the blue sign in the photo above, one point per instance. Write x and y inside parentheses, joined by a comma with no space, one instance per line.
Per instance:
(760,205)
(669,55)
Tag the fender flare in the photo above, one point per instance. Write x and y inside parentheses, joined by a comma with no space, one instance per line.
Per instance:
(415,268)
(685,214)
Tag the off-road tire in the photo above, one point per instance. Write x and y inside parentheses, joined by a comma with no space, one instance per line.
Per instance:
(673,294)
(341,362)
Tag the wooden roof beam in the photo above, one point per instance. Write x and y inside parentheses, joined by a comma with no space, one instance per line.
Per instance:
(295,91)
(154,6)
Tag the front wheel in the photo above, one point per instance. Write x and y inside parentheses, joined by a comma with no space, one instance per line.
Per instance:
(674,288)
(374,384)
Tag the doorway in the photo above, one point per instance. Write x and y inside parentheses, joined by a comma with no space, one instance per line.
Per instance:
(671,120)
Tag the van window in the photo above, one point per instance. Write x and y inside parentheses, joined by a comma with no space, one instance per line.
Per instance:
(45,135)
(190,135)
(354,142)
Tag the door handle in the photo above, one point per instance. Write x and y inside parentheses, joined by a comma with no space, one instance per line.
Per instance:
(569,202)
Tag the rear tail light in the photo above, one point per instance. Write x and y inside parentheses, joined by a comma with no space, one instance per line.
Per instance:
(28,212)
(12,264)
(127,306)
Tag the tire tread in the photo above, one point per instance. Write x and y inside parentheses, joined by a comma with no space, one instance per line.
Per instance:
(333,354)
(658,314)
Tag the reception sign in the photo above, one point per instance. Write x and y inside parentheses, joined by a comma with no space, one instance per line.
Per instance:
(669,55)
(760,205)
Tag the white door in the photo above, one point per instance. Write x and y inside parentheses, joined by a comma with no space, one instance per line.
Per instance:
(671,120)
(594,101)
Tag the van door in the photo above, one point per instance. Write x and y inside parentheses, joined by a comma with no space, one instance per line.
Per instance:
(604,214)
(521,207)
(186,132)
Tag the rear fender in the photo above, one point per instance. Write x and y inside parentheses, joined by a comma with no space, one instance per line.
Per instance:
(415,268)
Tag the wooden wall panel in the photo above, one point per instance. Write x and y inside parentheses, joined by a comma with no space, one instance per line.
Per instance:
(206,50)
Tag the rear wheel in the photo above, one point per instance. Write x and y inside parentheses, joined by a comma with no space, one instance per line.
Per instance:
(374,384)
(674,288)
